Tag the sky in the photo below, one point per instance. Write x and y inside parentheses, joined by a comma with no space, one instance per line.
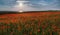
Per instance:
(29,5)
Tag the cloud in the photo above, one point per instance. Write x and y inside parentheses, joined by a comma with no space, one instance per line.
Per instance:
(38,5)
(7,2)
(30,5)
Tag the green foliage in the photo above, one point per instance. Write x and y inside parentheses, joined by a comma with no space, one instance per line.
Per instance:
(31,27)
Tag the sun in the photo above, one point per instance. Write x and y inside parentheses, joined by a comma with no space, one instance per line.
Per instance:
(20,5)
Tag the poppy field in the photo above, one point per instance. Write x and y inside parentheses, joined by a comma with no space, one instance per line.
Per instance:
(38,23)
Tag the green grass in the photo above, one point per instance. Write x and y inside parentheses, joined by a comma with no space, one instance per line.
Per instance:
(32,27)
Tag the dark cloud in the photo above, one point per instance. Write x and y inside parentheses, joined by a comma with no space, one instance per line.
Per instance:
(7,2)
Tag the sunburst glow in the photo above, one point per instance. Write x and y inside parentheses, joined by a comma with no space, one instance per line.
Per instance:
(20,5)
(21,11)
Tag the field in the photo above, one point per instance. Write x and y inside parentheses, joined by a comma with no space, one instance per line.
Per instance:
(30,23)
